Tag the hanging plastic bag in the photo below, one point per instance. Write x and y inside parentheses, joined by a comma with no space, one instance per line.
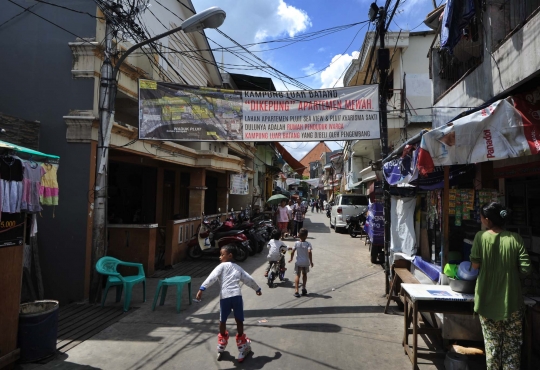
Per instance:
(450,270)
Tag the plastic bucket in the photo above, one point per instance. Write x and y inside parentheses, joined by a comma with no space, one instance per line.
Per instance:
(38,327)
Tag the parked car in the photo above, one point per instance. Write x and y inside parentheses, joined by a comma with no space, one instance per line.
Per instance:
(347,205)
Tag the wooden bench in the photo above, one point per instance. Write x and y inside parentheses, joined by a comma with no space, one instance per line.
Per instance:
(401,275)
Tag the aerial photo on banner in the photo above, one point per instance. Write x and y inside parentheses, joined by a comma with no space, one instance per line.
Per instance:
(178,112)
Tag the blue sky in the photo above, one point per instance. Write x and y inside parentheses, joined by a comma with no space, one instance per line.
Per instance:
(256,21)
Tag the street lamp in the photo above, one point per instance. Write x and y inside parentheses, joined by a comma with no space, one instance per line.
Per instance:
(210,18)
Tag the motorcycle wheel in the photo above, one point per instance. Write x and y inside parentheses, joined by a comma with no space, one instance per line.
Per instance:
(195,252)
(271,280)
(260,247)
(241,254)
(352,233)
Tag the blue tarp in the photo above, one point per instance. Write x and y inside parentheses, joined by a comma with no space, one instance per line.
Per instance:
(374,226)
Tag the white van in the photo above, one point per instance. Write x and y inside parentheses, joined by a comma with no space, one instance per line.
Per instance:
(347,205)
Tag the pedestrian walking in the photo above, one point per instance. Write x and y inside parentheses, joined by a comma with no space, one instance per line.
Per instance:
(282,218)
(290,226)
(501,257)
(299,213)
(316,205)
(229,276)
(304,259)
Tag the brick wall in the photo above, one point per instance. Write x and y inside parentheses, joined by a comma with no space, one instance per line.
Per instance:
(19,131)
(313,156)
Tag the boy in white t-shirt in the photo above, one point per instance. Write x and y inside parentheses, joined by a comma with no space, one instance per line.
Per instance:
(275,248)
(304,259)
(229,275)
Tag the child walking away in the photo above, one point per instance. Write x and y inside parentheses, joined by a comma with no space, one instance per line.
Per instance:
(275,247)
(304,259)
(229,276)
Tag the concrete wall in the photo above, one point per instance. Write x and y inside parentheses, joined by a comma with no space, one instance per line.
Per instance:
(36,64)
(517,60)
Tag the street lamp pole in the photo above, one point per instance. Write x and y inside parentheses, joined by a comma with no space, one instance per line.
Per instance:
(210,18)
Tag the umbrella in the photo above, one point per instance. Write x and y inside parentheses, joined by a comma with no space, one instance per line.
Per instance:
(276,199)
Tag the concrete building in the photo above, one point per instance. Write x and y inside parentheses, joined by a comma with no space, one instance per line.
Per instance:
(498,58)
(54,78)
(409,99)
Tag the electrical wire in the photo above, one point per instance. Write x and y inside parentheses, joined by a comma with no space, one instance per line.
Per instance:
(69,9)
(340,56)
(17,15)
(48,21)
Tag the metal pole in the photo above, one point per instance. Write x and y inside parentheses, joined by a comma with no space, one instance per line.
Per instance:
(99,230)
(383,73)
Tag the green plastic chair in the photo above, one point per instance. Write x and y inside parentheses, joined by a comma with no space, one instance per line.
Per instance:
(107,266)
(179,282)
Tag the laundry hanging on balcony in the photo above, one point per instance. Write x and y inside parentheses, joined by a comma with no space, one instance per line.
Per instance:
(457,15)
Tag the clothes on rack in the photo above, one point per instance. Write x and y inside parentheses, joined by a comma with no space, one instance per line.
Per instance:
(49,185)
(11,175)
(32,174)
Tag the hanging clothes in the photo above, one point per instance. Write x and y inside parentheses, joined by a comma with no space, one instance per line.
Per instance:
(49,185)
(457,15)
(32,174)
(11,187)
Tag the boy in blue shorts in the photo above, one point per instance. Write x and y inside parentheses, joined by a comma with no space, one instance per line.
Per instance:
(229,276)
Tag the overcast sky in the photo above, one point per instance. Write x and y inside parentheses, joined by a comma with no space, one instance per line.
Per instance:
(318,63)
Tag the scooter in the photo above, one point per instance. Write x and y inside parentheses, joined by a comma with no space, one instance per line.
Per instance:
(276,271)
(356,223)
(211,236)
(329,209)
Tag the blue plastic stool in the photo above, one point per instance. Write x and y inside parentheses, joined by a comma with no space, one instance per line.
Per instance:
(177,281)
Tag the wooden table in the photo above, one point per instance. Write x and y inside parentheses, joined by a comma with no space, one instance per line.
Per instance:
(429,299)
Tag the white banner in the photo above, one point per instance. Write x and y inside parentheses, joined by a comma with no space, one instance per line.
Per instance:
(187,113)
(239,184)
(340,114)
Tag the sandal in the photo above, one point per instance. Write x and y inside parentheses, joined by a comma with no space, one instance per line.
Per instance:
(297,295)
(266,274)
(304,292)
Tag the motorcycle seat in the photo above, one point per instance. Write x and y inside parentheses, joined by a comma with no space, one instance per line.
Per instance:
(222,234)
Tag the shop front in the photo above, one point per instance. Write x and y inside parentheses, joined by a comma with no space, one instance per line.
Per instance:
(154,206)
(440,182)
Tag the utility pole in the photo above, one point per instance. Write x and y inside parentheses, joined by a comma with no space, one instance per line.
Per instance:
(210,18)
(383,64)
(106,117)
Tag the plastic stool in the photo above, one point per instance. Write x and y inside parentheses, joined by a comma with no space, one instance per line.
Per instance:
(177,281)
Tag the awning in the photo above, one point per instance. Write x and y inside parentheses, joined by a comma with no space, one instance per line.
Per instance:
(21,149)
(368,179)
(272,169)
(505,129)
(291,161)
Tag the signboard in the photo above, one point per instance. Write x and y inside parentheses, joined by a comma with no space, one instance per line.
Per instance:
(186,113)
(508,128)
(239,184)
(11,229)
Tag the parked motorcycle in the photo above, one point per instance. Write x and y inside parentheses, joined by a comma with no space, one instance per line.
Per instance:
(355,224)
(256,240)
(211,236)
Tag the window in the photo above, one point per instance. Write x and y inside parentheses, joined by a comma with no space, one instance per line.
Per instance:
(354,201)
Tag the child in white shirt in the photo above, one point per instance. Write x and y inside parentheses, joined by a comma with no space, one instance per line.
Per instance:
(275,248)
(229,276)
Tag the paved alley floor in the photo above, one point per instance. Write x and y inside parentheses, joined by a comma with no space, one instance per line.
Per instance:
(339,325)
